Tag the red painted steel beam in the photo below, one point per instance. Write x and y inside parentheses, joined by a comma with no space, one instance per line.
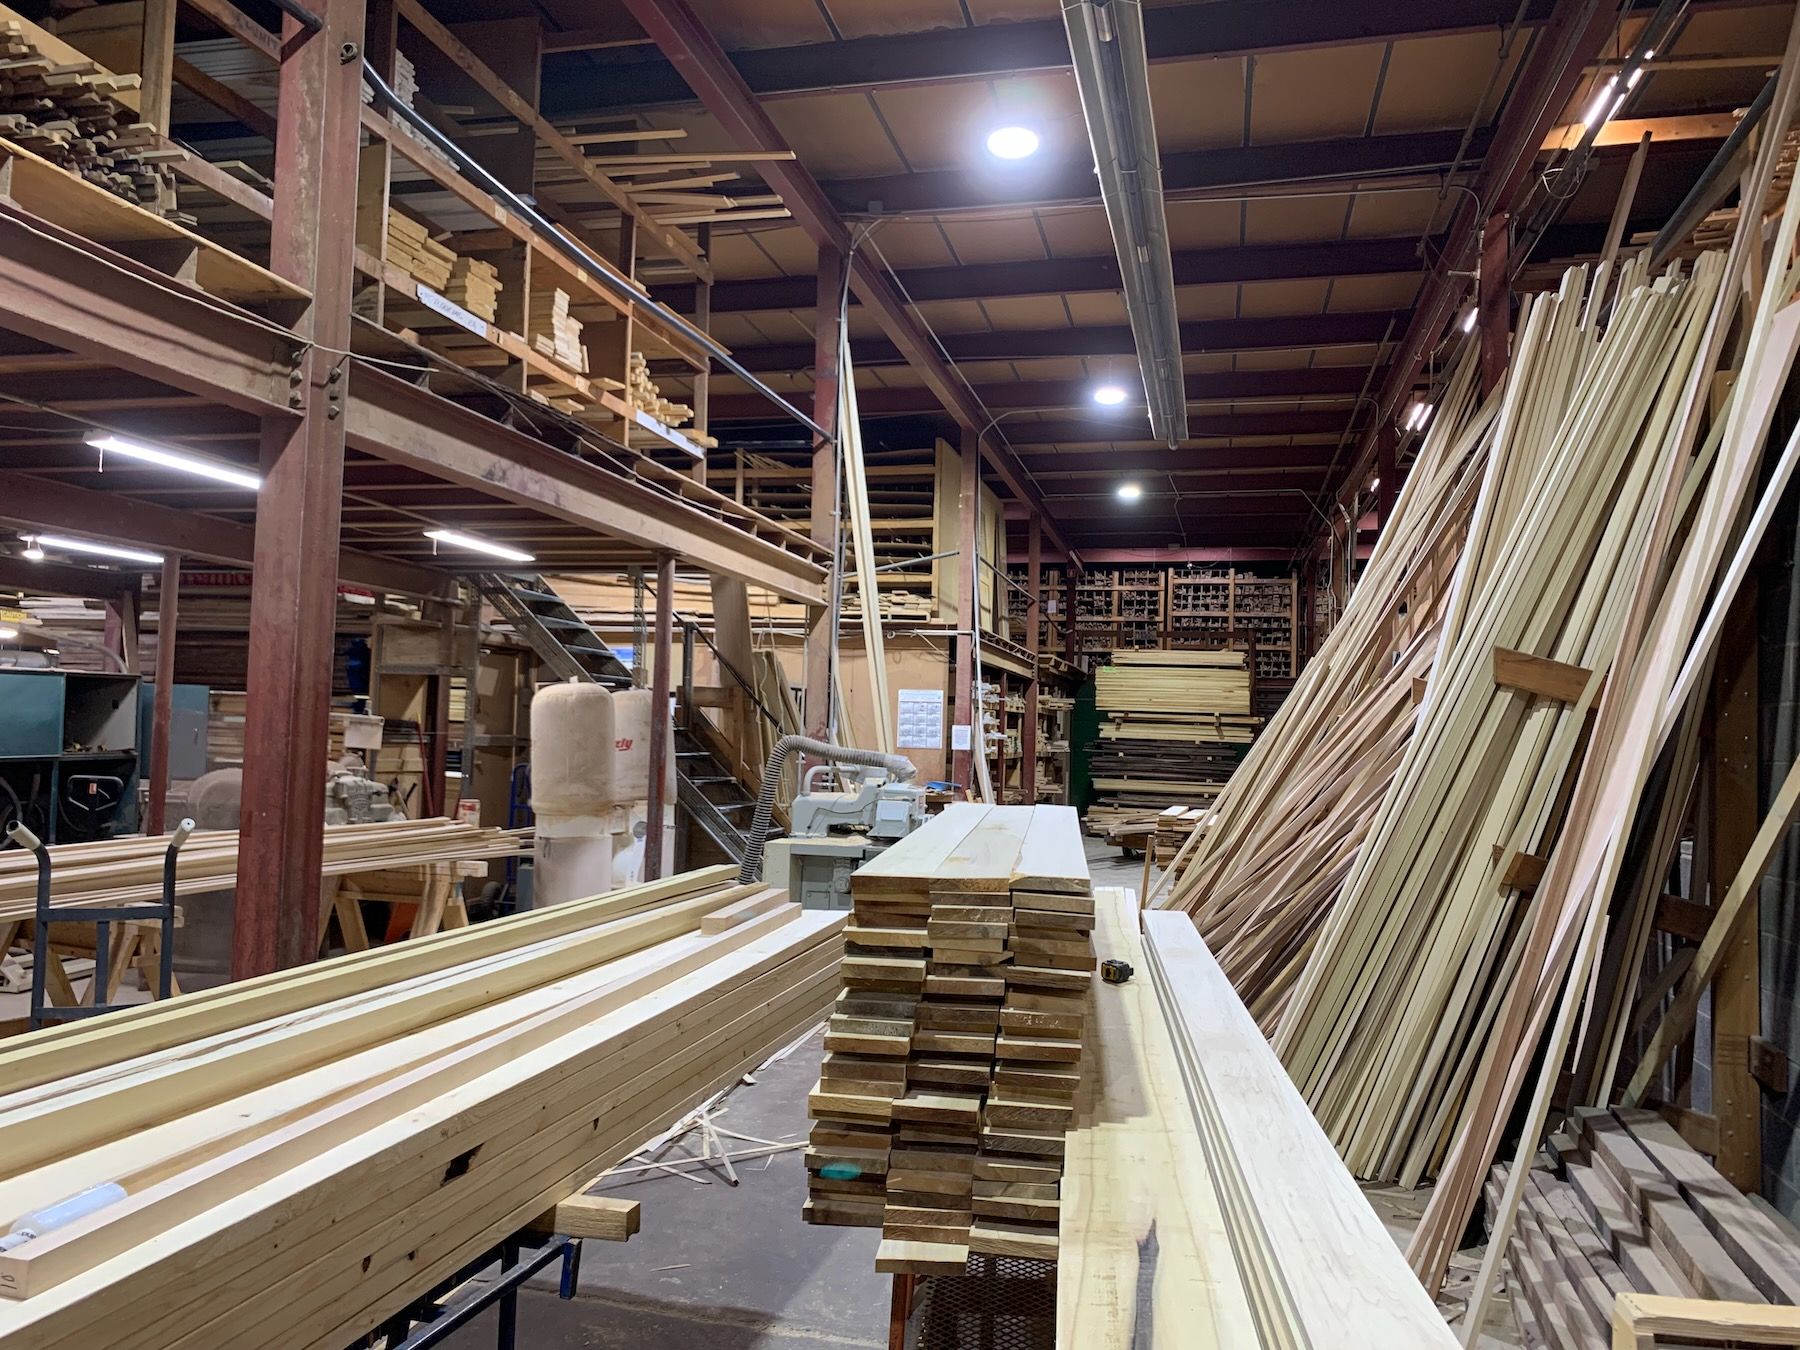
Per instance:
(1576,33)
(132,317)
(1177,33)
(1101,430)
(396,420)
(1084,275)
(1217,459)
(1054,395)
(28,501)
(168,600)
(1215,335)
(1114,556)
(1054,182)
(662,661)
(293,597)
(702,63)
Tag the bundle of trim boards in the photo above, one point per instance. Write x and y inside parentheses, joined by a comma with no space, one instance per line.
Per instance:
(293,1159)
(1422,881)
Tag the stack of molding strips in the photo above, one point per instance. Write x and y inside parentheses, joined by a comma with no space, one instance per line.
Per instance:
(953,1053)
(1625,1205)
(1262,871)
(298,1157)
(1388,1021)
(1203,1205)
(129,871)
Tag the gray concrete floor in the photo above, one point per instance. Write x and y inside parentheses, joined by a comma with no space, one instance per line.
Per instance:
(719,1267)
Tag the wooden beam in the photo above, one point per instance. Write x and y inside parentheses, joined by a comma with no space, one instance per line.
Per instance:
(155,57)
(1540,675)
(827,492)
(605,1218)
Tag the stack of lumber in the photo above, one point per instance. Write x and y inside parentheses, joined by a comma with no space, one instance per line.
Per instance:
(952,1054)
(1707,515)
(1174,725)
(475,285)
(129,870)
(1389,1018)
(411,248)
(1202,1205)
(1286,830)
(1625,1205)
(554,332)
(66,108)
(304,1154)
(1175,825)
(642,393)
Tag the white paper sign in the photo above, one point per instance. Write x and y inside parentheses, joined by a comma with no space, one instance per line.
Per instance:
(920,725)
(452,311)
(959,736)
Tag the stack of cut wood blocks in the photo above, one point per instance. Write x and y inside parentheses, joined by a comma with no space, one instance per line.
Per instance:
(475,285)
(553,332)
(645,395)
(68,112)
(411,248)
(952,1057)
(1174,726)
(1627,1205)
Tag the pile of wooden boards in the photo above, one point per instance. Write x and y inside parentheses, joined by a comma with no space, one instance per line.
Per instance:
(411,248)
(1623,1205)
(475,285)
(1175,726)
(554,332)
(129,870)
(1390,1014)
(304,1154)
(1202,1205)
(953,1052)
(642,392)
(1286,830)
(64,107)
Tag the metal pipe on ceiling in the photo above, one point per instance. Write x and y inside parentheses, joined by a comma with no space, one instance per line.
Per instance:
(1112,73)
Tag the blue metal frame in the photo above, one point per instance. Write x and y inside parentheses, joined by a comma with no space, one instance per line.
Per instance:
(517,1265)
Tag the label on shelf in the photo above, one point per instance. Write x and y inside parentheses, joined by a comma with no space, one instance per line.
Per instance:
(451,310)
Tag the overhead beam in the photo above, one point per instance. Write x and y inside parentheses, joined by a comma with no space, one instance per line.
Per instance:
(27,501)
(1214,335)
(702,63)
(1098,430)
(49,578)
(1573,36)
(1051,395)
(1177,33)
(1069,276)
(939,191)
(404,424)
(1235,459)
(134,318)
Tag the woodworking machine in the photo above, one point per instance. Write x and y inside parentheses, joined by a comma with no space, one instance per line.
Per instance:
(833,830)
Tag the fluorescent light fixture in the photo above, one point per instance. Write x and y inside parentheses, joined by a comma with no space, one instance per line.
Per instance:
(457,539)
(1418,415)
(63,544)
(1012,142)
(1468,321)
(1109,395)
(32,552)
(8,634)
(1130,492)
(1375,485)
(1604,104)
(177,460)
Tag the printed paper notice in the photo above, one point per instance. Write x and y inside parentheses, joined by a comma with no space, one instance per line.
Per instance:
(920,725)
(960,739)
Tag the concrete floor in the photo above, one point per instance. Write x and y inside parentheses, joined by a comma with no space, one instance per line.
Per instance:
(718,1267)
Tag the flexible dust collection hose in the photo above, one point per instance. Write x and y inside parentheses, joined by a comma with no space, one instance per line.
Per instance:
(903,769)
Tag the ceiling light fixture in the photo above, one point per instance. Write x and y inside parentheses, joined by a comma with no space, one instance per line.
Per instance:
(179,461)
(1468,322)
(1109,395)
(1418,416)
(1130,492)
(457,539)
(64,544)
(1012,142)
(32,552)
(9,634)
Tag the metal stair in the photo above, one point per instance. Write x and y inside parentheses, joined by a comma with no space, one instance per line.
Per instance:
(714,800)
(560,637)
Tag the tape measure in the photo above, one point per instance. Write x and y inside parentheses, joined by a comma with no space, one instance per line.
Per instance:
(1116,972)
